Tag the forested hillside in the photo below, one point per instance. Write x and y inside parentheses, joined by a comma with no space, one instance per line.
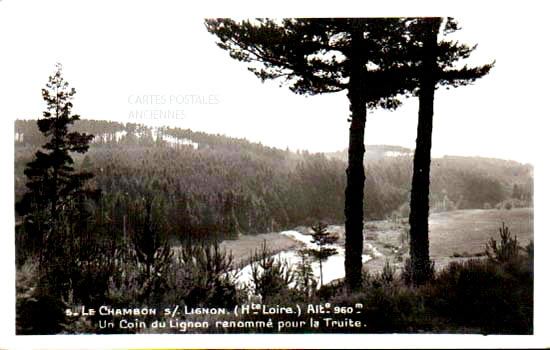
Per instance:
(201,185)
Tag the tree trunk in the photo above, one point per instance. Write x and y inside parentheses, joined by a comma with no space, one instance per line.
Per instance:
(420,192)
(355,171)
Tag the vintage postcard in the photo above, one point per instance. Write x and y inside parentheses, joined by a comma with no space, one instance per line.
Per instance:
(197,178)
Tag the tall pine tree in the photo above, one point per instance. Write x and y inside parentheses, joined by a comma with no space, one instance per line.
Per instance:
(322,239)
(54,187)
(432,64)
(317,56)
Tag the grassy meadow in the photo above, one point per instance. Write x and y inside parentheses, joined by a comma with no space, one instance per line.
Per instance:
(454,236)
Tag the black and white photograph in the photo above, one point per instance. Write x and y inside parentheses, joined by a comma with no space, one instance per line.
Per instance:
(238,176)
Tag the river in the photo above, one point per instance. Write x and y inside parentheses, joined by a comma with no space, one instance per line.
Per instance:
(333,267)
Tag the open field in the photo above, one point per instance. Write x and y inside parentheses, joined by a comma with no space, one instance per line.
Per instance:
(460,232)
(468,230)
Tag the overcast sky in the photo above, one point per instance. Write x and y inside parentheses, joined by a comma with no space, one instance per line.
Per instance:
(132,58)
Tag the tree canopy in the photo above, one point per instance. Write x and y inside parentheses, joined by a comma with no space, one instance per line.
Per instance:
(312,55)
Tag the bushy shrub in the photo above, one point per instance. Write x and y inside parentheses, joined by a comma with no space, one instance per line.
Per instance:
(90,278)
(387,308)
(388,273)
(505,251)
(460,288)
(494,295)
(40,313)
(134,281)
(334,288)
(407,272)
(480,294)
(271,276)
(202,275)
(306,283)
(38,310)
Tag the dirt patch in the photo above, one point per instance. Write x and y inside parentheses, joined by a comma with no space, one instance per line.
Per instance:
(245,246)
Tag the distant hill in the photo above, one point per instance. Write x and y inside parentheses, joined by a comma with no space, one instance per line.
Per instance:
(214,183)
(374,152)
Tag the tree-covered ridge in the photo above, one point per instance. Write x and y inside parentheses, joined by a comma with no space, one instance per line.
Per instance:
(229,185)
(373,152)
(114,133)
